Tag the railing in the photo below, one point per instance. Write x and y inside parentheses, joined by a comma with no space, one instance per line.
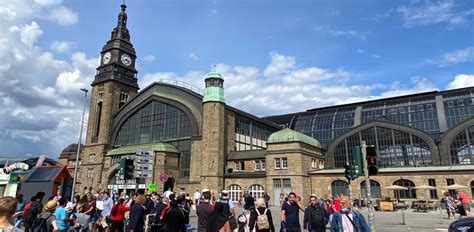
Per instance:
(182,84)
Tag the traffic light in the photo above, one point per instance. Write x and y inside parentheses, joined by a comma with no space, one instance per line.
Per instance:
(128,169)
(348,172)
(357,161)
(372,161)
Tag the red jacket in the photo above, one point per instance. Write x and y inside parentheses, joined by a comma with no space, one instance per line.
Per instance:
(27,206)
(120,214)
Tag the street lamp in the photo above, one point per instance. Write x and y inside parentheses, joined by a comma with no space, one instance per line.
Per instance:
(79,142)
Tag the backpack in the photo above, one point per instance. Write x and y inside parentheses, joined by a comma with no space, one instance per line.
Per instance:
(41,224)
(32,212)
(262,220)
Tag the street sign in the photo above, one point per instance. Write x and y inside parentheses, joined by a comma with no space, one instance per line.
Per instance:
(145,159)
(163,177)
(143,174)
(151,187)
(142,167)
(145,153)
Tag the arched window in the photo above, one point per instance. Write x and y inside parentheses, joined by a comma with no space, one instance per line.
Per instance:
(462,147)
(410,193)
(235,192)
(374,189)
(339,186)
(98,118)
(395,148)
(256,191)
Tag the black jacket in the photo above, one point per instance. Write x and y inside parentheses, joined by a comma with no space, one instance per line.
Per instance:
(175,219)
(315,218)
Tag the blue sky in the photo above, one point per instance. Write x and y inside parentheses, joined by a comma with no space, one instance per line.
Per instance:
(276,56)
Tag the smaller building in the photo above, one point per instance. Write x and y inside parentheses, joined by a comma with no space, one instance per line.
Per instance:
(68,158)
(52,180)
(279,169)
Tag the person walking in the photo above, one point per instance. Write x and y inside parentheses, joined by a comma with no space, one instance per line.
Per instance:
(347,219)
(61,216)
(204,211)
(32,212)
(315,217)
(25,209)
(91,211)
(46,221)
(137,211)
(261,218)
(218,221)
(107,205)
(464,201)
(117,216)
(176,217)
(20,205)
(8,206)
(197,197)
(290,217)
(450,205)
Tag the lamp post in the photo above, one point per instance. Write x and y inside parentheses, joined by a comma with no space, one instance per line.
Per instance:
(79,143)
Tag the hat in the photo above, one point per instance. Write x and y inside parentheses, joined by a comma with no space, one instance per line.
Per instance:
(205,190)
(51,205)
(225,192)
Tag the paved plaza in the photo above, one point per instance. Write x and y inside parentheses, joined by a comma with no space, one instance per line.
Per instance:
(384,221)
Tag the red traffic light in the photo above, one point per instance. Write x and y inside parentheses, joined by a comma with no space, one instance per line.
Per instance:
(372,160)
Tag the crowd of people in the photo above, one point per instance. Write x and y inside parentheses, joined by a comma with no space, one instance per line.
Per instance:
(461,205)
(170,212)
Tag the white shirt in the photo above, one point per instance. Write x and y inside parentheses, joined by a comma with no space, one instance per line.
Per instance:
(168,193)
(197,195)
(346,223)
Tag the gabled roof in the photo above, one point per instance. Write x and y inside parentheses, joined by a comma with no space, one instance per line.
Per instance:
(289,135)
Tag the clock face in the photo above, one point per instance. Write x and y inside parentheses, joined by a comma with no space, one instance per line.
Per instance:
(106,58)
(126,60)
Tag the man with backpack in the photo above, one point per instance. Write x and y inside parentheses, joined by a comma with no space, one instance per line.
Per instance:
(32,212)
(315,217)
(46,221)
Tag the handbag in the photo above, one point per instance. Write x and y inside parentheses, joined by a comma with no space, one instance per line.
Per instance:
(233,223)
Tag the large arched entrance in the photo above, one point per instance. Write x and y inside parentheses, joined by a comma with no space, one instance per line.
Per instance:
(169,184)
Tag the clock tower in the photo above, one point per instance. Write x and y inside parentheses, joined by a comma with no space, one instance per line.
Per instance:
(114,84)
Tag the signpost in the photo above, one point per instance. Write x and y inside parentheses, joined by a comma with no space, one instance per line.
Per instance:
(144,165)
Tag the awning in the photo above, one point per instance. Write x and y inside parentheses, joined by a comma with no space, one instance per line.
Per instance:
(132,149)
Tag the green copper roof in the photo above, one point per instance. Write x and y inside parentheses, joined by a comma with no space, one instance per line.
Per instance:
(132,149)
(288,135)
(213,93)
(214,74)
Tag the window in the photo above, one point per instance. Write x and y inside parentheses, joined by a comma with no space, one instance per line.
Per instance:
(92,158)
(239,166)
(281,163)
(448,183)
(433,192)
(314,163)
(123,99)
(256,191)
(410,193)
(259,165)
(374,189)
(90,172)
(339,186)
(78,173)
(235,192)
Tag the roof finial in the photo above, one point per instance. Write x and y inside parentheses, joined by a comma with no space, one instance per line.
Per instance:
(214,68)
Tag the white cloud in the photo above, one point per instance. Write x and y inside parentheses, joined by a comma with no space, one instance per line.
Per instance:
(420,13)
(453,57)
(149,58)
(285,86)
(193,56)
(461,81)
(62,46)
(343,33)
(376,56)
(360,51)
(63,16)
(280,64)
(29,34)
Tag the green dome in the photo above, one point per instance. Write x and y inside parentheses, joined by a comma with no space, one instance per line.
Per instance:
(214,74)
(289,135)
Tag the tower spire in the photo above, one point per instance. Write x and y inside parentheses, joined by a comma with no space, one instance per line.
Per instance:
(121,31)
